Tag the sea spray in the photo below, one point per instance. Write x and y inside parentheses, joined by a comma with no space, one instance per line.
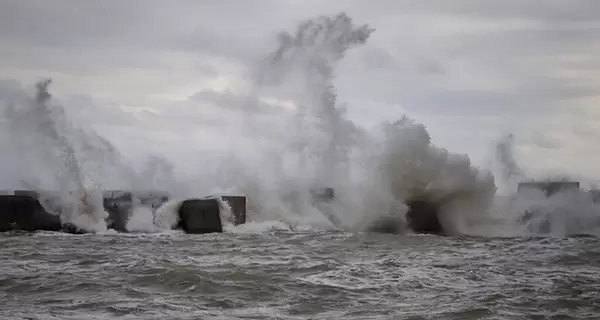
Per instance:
(375,173)
(67,164)
(167,215)
(409,167)
(45,126)
(319,138)
(142,218)
(531,211)
(510,171)
(323,135)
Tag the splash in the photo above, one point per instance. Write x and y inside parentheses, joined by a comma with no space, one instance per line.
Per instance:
(375,173)
(321,132)
(69,166)
(537,209)
(45,130)
(385,178)
(167,215)
(315,148)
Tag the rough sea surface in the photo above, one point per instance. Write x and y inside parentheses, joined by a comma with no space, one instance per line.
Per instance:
(285,275)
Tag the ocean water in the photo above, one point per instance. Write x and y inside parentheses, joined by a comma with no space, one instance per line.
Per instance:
(297,275)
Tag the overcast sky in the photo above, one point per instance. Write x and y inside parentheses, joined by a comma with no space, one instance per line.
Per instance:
(470,70)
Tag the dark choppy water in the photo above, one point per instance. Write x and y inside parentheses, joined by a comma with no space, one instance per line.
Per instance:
(296,276)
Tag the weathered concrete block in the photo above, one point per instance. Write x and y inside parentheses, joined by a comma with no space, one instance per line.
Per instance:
(23,211)
(238,208)
(119,205)
(200,216)
(422,217)
(118,215)
(19,212)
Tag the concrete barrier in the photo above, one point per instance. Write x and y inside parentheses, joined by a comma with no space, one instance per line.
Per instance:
(21,212)
(422,217)
(119,206)
(200,216)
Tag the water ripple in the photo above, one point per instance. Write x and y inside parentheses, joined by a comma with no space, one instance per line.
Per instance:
(283,275)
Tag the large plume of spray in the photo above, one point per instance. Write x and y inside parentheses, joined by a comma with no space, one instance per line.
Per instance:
(314,50)
(44,127)
(313,150)
(410,168)
(505,156)
(71,167)
(375,174)
(322,136)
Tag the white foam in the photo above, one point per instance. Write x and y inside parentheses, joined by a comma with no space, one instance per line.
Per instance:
(167,215)
(258,227)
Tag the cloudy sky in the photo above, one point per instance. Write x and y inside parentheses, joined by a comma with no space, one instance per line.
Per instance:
(470,70)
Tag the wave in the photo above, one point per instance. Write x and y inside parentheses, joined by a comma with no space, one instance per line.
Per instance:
(378,175)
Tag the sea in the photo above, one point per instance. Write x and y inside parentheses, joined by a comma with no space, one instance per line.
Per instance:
(297,275)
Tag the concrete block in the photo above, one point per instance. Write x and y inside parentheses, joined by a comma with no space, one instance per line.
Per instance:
(19,212)
(200,216)
(119,205)
(238,208)
(118,215)
(422,217)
